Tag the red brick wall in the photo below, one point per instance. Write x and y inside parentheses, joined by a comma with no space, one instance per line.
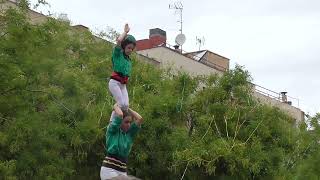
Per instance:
(143,44)
(157,40)
(149,43)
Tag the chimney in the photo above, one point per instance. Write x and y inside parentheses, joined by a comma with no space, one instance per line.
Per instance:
(157,37)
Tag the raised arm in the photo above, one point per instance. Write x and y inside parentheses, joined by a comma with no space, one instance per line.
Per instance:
(123,35)
(137,117)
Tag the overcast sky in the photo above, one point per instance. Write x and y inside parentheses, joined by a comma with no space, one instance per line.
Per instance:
(278,41)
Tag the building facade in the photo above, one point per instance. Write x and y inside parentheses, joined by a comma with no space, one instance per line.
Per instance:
(205,62)
(156,51)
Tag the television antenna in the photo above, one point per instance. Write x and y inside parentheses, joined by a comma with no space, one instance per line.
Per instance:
(178,7)
(200,41)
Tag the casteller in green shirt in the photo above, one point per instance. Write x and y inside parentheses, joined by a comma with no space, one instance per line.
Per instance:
(121,63)
(119,137)
(118,142)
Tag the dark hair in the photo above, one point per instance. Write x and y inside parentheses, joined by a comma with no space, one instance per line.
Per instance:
(126,42)
(126,113)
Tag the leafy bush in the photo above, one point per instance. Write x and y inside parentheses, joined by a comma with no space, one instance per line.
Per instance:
(55,106)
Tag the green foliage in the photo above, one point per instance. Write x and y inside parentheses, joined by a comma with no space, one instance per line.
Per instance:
(306,159)
(55,106)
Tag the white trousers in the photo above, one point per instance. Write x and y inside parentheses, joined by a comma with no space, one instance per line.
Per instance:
(109,173)
(119,93)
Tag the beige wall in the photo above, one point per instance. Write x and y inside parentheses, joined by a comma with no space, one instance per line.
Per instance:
(169,58)
(216,59)
(294,112)
(148,60)
(35,17)
(4,5)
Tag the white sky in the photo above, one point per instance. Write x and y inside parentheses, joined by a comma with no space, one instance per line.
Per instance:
(278,41)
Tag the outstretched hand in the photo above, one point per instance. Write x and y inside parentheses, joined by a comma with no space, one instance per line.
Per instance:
(123,35)
(126,28)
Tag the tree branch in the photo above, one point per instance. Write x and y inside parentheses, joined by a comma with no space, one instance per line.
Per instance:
(185,170)
(4,34)
(226,123)
(6,91)
(237,130)
(208,128)
(3,120)
(253,131)
(101,113)
(54,99)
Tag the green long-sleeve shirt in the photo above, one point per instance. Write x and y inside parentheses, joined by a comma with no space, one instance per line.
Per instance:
(120,62)
(119,143)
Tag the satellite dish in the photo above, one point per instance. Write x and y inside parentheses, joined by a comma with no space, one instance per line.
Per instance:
(180,39)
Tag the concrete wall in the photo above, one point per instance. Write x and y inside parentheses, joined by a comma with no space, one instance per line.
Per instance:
(37,18)
(4,5)
(169,58)
(34,17)
(148,60)
(210,59)
(294,112)
(217,59)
